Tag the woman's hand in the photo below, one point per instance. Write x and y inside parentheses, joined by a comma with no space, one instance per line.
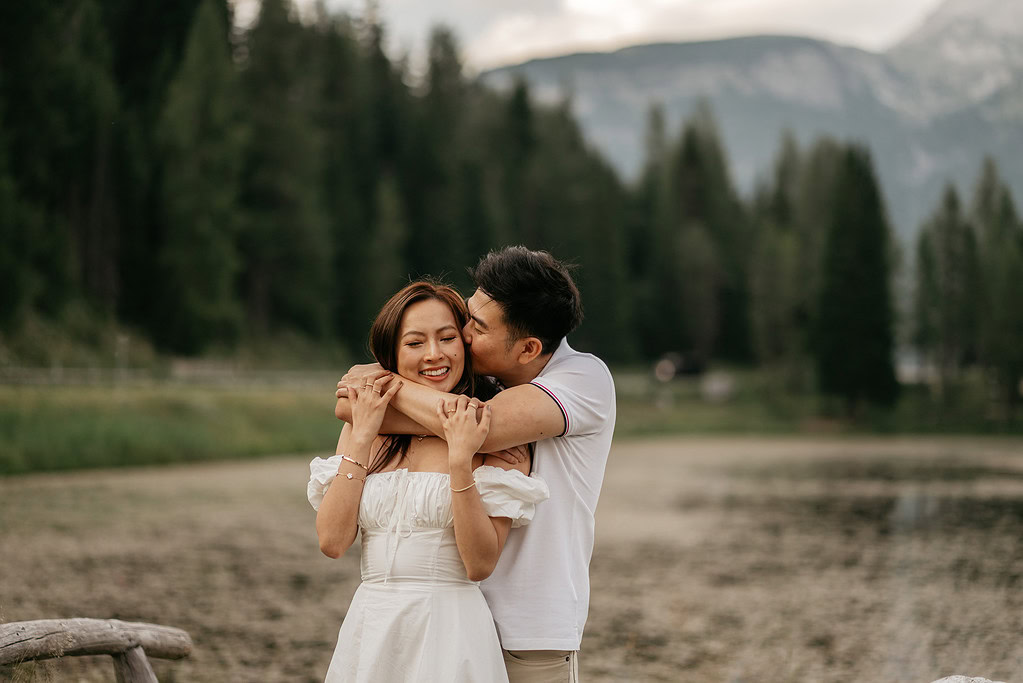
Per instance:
(369,397)
(461,430)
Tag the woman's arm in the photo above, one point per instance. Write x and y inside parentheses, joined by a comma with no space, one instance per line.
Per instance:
(480,538)
(523,414)
(337,520)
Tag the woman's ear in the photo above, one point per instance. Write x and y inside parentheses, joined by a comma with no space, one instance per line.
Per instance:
(531,348)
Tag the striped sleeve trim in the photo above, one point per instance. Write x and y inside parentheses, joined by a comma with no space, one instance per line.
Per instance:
(561,406)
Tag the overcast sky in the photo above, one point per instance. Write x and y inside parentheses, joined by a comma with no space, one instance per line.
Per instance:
(497,32)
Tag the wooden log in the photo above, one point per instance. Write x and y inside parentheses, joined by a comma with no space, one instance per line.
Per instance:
(21,641)
(133,667)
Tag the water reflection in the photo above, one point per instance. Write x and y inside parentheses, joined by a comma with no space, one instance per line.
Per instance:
(877,468)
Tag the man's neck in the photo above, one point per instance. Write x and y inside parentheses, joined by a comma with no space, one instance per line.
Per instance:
(524,374)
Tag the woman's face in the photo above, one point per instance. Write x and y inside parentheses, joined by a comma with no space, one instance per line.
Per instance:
(430,348)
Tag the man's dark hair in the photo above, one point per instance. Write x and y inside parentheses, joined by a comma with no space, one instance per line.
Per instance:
(535,292)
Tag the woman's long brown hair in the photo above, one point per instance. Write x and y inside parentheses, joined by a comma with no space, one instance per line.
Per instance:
(383,342)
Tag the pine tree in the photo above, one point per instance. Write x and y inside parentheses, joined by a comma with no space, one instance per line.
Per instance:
(947,290)
(386,246)
(579,211)
(284,239)
(147,42)
(775,288)
(651,229)
(854,338)
(816,190)
(1000,236)
(200,140)
(517,151)
(699,269)
(348,184)
(706,196)
(438,239)
(18,279)
(59,142)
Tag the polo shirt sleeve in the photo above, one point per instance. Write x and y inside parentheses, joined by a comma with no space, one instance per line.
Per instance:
(584,392)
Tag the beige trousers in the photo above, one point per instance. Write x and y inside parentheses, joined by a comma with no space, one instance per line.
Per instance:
(542,666)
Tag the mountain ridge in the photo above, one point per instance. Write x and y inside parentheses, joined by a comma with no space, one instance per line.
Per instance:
(923,130)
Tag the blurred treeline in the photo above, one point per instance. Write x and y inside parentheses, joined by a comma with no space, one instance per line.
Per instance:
(207,185)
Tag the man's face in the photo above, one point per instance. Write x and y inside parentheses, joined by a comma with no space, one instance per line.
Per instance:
(487,336)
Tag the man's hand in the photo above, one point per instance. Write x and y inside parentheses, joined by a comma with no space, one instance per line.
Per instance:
(359,374)
(513,455)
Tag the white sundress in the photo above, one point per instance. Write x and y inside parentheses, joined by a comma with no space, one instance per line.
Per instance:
(417,616)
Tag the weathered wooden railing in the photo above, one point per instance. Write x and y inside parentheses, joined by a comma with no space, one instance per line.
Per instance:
(126,641)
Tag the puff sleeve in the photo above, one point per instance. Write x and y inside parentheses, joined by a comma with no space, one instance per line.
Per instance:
(321,474)
(510,493)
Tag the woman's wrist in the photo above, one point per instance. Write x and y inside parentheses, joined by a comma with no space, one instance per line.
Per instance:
(461,473)
(360,443)
(460,458)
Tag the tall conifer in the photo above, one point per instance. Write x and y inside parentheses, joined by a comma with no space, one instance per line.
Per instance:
(284,239)
(854,337)
(1000,235)
(201,143)
(947,290)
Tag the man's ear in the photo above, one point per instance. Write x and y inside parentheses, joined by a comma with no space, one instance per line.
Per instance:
(529,349)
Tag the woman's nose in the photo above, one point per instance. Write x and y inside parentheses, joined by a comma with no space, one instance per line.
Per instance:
(433,349)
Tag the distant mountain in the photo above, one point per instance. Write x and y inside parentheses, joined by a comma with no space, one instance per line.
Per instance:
(924,129)
(965,51)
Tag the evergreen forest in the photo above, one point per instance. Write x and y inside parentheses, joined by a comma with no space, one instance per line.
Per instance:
(203,185)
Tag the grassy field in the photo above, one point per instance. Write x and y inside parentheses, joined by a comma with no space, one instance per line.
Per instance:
(738,559)
(62,427)
(45,428)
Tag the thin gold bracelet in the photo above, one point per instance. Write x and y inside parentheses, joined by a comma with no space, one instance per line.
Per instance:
(454,490)
(353,461)
(349,475)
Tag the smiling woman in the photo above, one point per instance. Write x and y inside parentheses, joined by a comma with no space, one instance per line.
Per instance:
(433,514)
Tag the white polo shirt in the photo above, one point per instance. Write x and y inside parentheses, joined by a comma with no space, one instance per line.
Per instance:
(539,592)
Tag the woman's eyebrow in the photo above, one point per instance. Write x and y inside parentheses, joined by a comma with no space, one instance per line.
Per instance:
(423,334)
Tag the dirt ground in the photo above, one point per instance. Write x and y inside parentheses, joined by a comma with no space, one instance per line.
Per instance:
(717,560)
